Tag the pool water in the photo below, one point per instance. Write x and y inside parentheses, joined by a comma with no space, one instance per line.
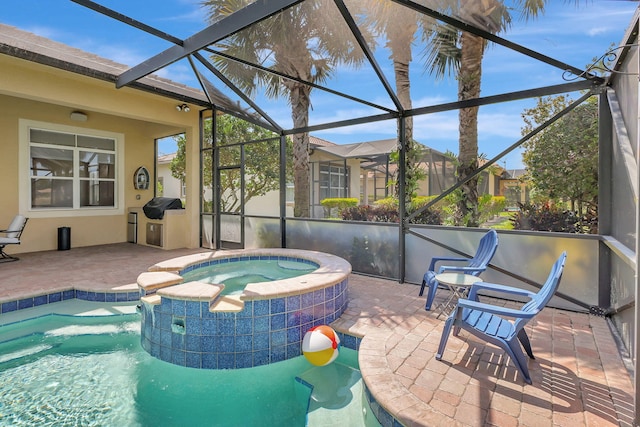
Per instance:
(92,371)
(235,275)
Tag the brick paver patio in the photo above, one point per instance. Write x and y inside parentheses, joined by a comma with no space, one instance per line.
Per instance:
(579,377)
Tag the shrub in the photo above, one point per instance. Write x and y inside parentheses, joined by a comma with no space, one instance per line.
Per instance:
(386,210)
(432,215)
(339,203)
(490,206)
(549,217)
(370,213)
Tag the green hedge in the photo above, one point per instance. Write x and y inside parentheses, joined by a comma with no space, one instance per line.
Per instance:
(338,203)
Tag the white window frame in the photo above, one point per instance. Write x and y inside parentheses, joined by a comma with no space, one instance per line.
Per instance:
(24,183)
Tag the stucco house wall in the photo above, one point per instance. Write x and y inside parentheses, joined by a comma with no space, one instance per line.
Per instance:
(35,93)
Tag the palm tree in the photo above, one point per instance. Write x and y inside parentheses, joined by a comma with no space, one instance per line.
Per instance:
(305,42)
(383,18)
(461,51)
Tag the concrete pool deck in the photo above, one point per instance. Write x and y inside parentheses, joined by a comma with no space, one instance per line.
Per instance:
(579,377)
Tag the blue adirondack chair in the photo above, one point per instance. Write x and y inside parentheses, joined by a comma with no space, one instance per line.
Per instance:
(476,265)
(492,323)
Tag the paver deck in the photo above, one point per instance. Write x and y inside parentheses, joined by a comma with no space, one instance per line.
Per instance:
(579,376)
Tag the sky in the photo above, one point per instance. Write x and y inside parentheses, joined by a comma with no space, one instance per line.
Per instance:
(573,32)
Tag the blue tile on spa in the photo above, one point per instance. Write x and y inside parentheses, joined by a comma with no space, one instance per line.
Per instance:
(329,292)
(226,361)
(293,350)
(247,310)
(261,341)
(260,357)
(278,354)
(68,294)
(318,296)
(293,335)
(306,316)
(165,305)
(293,303)
(226,343)
(178,357)
(261,324)
(208,343)
(155,335)
(261,308)
(193,326)
(244,343)
(177,341)
(192,309)
(278,338)
(194,360)
(307,300)
(244,326)
(293,319)
(209,360)
(178,307)
(226,326)
(164,321)
(166,338)
(155,350)
(330,306)
(277,305)
(209,326)
(244,360)
(165,354)
(278,321)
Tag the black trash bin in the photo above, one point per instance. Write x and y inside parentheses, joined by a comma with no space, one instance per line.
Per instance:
(64,238)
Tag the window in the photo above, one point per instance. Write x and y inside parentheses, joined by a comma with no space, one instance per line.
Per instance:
(333,180)
(69,170)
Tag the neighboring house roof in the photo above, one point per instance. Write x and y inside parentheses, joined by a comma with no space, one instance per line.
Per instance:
(362,150)
(319,142)
(515,173)
(31,47)
(166,158)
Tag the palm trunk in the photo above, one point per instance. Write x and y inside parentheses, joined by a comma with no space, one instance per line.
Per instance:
(299,97)
(472,49)
(400,45)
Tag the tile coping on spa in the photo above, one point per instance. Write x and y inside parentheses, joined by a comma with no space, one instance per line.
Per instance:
(331,270)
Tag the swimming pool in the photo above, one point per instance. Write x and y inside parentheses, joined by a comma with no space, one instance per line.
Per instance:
(63,370)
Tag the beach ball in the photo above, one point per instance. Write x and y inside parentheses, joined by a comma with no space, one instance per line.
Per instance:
(320,345)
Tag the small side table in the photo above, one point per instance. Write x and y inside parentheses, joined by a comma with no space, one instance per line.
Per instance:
(458,284)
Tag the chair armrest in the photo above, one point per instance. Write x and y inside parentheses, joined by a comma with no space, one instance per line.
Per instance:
(486,286)
(434,260)
(494,309)
(9,231)
(461,269)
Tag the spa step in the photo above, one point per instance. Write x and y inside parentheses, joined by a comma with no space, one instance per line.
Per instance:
(151,281)
(153,299)
(227,303)
(191,291)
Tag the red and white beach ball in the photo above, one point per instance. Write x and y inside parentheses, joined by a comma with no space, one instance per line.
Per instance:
(320,345)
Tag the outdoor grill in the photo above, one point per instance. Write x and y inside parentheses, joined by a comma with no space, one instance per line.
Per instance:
(154,209)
